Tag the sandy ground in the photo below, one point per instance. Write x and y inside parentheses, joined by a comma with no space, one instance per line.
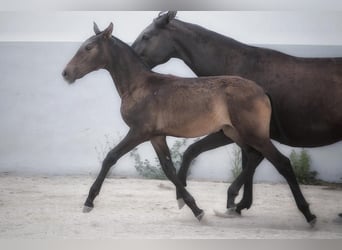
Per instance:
(50,208)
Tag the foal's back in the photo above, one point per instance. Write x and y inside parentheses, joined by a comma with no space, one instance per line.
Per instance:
(191,107)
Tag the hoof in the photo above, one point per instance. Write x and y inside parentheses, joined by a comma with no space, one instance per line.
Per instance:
(181,203)
(200,216)
(338,219)
(87,209)
(229,213)
(312,223)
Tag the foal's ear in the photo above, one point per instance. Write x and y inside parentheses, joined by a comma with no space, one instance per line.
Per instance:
(96,29)
(164,18)
(107,33)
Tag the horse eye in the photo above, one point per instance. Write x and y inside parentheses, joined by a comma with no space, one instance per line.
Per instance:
(145,37)
(88,47)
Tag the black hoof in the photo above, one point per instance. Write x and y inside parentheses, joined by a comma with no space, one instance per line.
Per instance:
(200,216)
(238,211)
(313,221)
(88,206)
(87,209)
(338,219)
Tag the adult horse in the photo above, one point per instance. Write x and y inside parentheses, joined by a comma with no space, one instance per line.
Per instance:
(156,105)
(306,93)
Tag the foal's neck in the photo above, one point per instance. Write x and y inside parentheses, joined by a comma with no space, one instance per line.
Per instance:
(125,67)
(198,48)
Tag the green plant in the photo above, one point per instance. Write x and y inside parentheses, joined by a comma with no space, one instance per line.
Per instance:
(153,170)
(236,162)
(145,168)
(104,148)
(301,163)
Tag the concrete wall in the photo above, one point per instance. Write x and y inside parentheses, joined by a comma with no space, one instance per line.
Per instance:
(49,127)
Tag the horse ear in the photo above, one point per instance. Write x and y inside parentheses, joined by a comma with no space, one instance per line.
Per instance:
(96,29)
(164,18)
(107,33)
(171,14)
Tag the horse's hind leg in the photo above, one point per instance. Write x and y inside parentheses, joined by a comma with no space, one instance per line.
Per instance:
(283,165)
(131,140)
(163,152)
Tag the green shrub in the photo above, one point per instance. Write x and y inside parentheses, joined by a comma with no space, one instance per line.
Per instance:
(301,164)
(145,168)
(236,162)
(153,170)
(103,149)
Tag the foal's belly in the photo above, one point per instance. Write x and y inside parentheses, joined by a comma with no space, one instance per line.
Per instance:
(195,125)
(193,129)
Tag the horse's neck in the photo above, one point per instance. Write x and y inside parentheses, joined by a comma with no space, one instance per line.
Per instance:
(125,67)
(201,49)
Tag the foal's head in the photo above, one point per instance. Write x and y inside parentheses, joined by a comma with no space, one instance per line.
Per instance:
(154,44)
(92,55)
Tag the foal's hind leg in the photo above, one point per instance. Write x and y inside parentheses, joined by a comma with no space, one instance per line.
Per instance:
(131,140)
(283,165)
(162,150)
(209,142)
(246,179)
(253,161)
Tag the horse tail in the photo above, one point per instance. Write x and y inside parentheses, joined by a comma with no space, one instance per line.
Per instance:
(275,122)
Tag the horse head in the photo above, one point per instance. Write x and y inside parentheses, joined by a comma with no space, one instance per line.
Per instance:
(90,56)
(154,44)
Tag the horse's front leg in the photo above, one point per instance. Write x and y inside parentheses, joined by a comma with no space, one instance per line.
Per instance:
(131,140)
(163,152)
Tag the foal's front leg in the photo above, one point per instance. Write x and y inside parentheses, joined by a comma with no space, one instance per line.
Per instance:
(163,152)
(131,140)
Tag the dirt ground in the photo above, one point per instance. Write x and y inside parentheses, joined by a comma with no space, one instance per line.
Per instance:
(37,207)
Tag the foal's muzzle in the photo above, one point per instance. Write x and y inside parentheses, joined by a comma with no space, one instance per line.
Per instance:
(67,76)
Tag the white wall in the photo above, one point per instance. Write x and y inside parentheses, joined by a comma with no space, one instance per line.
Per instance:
(49,127)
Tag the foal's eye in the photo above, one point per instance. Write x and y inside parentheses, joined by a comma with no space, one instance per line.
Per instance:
(88,47)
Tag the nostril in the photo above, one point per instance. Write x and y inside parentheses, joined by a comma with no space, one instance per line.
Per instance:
(64,73)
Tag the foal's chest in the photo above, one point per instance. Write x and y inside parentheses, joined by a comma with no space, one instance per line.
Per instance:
(135,109)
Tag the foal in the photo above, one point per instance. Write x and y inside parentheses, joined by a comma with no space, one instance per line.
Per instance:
(155,106)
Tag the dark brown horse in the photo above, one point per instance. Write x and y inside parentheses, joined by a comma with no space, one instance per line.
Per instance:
(156,105)
(306,93)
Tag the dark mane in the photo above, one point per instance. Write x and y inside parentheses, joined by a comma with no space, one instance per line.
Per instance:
(125,47)
(209,35)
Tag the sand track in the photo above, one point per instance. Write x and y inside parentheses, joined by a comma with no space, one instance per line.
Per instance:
(50,207)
